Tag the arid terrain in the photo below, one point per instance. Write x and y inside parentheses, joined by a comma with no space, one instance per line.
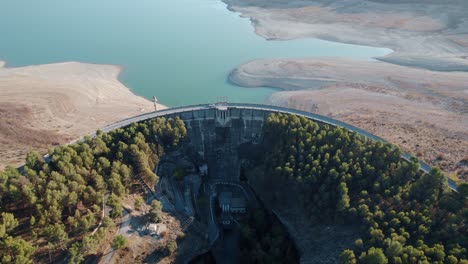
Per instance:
(422,111)
(47,105)
(430,34)
(415,97)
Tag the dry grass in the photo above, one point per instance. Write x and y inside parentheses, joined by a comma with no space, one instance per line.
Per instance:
(46,105)
(17,137)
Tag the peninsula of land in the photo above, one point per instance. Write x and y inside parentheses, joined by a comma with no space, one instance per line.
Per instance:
(428,34)
(47,105)
(415,97)
(406,106)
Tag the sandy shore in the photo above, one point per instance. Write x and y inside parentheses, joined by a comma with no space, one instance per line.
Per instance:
(47,105)
(422,111)
(427,34)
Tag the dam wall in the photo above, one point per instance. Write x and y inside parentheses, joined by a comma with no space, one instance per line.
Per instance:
(215,134)
(251,117)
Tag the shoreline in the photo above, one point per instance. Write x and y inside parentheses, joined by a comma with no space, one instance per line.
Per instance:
(255,24)
(418,35)
(52,104)
(390,96)
(400,104)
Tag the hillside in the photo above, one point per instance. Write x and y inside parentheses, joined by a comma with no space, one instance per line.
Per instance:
(319,178)
(337,195)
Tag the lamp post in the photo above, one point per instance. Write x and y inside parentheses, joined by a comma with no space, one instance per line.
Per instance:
(155,100)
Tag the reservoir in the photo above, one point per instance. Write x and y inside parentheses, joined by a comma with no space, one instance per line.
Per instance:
(178,50)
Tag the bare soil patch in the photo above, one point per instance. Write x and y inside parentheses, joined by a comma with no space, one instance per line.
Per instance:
(46,105)
(423,112)
(427,34)
(17,136)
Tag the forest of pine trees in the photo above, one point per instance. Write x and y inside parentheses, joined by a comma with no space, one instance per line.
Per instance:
(407,216)
(52,207)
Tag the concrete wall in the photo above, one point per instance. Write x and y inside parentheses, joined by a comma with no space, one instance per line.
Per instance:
(215,133)
(245,112)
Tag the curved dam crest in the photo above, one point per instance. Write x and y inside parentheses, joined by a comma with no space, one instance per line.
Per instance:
(246,120)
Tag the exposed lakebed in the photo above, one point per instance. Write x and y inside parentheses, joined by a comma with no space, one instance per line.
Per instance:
(181,51)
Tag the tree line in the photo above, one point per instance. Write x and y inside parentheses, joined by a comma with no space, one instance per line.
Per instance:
(53,206)
(407,216)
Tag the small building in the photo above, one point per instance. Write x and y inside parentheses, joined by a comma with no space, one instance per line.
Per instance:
(156,229)
(231,204)
(222,115)
(238,205)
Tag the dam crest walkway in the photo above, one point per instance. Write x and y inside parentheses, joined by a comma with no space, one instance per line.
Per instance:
(260,107)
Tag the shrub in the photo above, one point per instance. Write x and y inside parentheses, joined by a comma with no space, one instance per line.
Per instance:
(171,247)
(119,242)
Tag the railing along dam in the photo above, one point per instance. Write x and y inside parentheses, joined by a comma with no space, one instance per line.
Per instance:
(247,119)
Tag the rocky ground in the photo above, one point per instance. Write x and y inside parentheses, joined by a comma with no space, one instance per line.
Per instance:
(143,247)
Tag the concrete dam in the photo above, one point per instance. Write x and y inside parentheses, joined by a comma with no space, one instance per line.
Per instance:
(239,123)
(203,181)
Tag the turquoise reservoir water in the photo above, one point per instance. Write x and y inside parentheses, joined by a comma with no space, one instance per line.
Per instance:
(179,50)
